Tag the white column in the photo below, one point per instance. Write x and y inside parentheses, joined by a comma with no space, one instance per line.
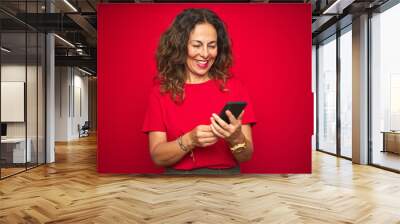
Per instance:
(50,91)
(360,90)
(50,100)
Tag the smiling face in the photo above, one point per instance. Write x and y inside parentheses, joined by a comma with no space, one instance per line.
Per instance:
(202,51)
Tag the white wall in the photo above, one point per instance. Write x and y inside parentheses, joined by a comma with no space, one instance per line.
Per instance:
(314,91)
(81,102)
(12,73)
(12,101)
(71,102)
(62,78)
(33,127)
(16,73)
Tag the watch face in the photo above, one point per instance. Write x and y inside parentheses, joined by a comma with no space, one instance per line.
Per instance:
(239,149)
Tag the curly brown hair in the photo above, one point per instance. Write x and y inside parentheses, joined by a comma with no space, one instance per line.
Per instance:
(173,47)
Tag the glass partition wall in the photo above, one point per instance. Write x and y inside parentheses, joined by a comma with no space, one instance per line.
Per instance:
(22,88)
(334,93)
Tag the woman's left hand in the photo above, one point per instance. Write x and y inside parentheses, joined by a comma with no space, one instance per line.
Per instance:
(230,132)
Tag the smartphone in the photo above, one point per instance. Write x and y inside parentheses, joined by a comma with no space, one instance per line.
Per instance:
(234,107)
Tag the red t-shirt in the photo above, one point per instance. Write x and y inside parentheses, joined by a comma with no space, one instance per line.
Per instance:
(201,100)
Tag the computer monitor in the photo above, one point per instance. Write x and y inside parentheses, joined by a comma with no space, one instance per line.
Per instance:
(3,129)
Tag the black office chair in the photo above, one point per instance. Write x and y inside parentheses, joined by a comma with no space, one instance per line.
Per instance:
(84,130)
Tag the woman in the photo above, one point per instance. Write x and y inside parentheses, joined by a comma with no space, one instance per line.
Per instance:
(185,133)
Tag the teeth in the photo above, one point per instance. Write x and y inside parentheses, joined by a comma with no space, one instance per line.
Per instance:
(202,62)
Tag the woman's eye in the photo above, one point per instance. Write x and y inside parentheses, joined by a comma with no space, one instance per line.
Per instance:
(196,46)
(212,47)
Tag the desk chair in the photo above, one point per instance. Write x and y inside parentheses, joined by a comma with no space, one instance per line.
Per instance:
(84,130)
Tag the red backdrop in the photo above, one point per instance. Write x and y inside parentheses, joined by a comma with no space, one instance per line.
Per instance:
(272,55)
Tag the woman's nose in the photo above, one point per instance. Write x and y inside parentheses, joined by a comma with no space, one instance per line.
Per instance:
(204,52)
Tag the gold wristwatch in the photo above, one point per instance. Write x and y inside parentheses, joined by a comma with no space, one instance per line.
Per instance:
(240,147)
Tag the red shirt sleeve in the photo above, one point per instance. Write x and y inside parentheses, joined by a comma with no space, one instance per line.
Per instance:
(154,117)
(248,116)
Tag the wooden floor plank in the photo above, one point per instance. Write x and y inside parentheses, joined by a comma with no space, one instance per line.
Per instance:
(71,191)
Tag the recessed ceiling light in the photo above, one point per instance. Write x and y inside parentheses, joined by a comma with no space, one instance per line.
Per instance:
(338,6)
(70,5)
(5,50)
(84,71)
(64,40)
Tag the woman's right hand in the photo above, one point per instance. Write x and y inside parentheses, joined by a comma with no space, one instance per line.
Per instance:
(202,136)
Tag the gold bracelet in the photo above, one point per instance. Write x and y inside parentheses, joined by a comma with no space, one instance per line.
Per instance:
(185,148)
(181,145)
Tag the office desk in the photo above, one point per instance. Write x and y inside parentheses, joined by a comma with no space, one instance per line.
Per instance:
(13,150)
(391,141)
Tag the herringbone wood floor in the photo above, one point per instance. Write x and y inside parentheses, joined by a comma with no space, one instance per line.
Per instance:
(71,191)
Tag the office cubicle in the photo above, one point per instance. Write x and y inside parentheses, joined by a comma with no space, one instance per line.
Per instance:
(22,101)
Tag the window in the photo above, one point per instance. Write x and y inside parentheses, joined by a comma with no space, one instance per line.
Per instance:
(327,95)
(346,93)
(385,88)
